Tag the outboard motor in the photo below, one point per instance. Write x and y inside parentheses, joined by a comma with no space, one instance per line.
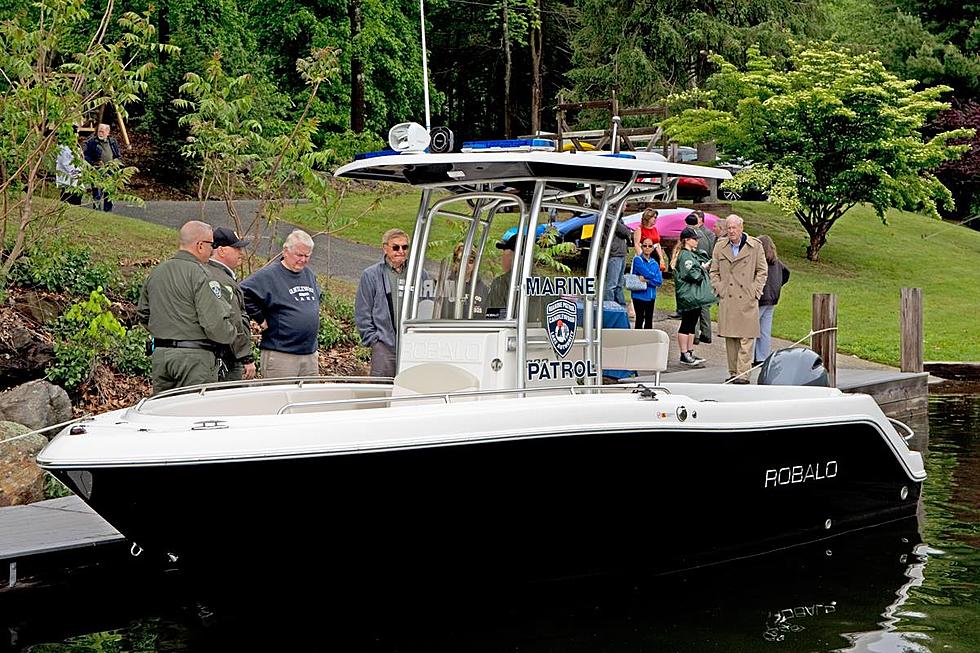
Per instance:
(794,366)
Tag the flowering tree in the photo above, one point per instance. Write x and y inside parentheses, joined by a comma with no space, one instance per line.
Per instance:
(827,129)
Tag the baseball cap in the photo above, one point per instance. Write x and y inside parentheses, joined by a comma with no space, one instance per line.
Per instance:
(508,240)
(689,233)
(225,237)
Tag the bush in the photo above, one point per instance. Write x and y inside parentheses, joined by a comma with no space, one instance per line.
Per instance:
(333,333)
(86,334)
(61,267)
(130,356)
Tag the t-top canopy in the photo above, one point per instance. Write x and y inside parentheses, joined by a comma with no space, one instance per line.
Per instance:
(474,167)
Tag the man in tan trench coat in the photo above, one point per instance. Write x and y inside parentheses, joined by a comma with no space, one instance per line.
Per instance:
(738,274)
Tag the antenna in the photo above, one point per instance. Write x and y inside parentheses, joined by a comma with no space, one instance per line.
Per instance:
(425,68)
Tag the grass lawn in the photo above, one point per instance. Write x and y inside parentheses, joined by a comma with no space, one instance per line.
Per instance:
(865,263)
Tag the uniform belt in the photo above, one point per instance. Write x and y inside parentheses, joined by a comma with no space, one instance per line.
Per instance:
(187,344)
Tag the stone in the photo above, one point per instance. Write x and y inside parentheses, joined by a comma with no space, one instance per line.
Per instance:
(21,480)
(25,352)
(35,404)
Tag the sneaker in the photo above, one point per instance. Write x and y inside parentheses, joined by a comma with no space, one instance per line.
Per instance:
(687,359)
(697,359)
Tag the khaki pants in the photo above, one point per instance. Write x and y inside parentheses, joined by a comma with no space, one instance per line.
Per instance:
(739,352)
(178,368)
(279,364)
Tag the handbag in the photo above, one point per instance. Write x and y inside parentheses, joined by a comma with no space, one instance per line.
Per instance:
(633,282)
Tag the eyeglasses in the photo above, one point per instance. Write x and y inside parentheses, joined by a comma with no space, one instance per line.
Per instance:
(206,242)
(398,248)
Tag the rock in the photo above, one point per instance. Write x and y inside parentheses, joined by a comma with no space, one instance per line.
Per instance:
(38,307)
(21,480)
(24,351)
(35,404)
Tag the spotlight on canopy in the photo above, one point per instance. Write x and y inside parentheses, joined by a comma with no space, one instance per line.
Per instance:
(408,137)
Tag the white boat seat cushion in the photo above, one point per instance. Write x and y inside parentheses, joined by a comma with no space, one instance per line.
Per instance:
(433,378)
(635,349)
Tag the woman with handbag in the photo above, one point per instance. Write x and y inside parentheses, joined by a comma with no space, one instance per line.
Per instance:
(644,277)
(693,291)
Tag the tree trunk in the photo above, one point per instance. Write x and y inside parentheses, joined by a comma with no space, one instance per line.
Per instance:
(356,69)
(536,81)
(507,72)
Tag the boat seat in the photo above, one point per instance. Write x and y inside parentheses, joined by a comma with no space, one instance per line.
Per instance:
(433,378)
(635,349)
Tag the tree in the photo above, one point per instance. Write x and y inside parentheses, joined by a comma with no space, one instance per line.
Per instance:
(51,78)
(647,49)
(826,130)
(234,155)
(962,176)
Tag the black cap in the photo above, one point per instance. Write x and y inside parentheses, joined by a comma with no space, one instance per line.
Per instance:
(510,243)
(225,237)
(689,233)
(691,219)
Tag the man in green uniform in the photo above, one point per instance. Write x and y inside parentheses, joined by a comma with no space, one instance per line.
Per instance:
(183,310)
(225,259)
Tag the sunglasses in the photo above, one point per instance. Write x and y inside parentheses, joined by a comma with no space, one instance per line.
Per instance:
(206,242)
(398,248)
(646,245)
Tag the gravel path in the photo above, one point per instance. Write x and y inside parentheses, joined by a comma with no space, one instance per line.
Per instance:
(332,257)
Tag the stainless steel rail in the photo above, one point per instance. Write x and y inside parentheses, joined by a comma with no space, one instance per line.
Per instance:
(449,397)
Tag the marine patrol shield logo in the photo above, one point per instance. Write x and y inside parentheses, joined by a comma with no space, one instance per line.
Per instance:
(561,325)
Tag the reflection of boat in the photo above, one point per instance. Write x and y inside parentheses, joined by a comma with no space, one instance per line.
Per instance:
(821,598)
(496,444)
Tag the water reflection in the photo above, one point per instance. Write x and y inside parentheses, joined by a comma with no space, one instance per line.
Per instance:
(888,589)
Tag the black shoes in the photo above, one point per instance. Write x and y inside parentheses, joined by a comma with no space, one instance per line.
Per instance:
(737,380)
(687,358)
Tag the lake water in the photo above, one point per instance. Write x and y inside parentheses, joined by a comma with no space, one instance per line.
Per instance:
(910,587)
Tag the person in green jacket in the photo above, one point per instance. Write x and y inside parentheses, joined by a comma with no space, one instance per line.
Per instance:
(182,308)
(693,291)
(238,361)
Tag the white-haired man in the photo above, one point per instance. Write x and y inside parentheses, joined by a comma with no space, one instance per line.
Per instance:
(738,274)
(284,299)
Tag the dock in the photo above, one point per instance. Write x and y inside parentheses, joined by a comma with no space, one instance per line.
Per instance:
(44,534)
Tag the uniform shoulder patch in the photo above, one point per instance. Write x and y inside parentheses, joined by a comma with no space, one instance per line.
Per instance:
(215,288)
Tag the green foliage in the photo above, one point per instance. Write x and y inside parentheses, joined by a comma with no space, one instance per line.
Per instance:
(337,326)
(86,334)
(58,68)
(130,357)
(645,50)
(913,39)
(53,488)
(827,129)
(61,267)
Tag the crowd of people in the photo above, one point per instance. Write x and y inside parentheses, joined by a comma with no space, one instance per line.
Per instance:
(200,315)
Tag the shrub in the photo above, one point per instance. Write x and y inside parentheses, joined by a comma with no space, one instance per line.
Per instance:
(333,333)
(130,356)
(87,333)
(61,267)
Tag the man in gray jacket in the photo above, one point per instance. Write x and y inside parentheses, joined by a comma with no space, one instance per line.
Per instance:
(377,306)
(617,264)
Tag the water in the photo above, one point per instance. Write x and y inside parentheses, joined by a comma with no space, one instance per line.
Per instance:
(910,587)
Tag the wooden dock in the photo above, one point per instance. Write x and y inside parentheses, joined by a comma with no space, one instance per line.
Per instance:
(49,531)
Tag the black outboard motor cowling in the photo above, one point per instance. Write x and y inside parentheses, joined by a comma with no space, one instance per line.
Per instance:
(794,366)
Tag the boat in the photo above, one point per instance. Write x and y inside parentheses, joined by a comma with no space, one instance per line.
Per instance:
(497,446)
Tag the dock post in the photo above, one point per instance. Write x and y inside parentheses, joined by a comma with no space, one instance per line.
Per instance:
(825,344)
(913,347)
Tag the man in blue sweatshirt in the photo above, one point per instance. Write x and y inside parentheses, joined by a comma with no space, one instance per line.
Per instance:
(284,299)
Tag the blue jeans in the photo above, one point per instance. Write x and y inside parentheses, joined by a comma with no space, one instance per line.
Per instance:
(763,344)
(614,280)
